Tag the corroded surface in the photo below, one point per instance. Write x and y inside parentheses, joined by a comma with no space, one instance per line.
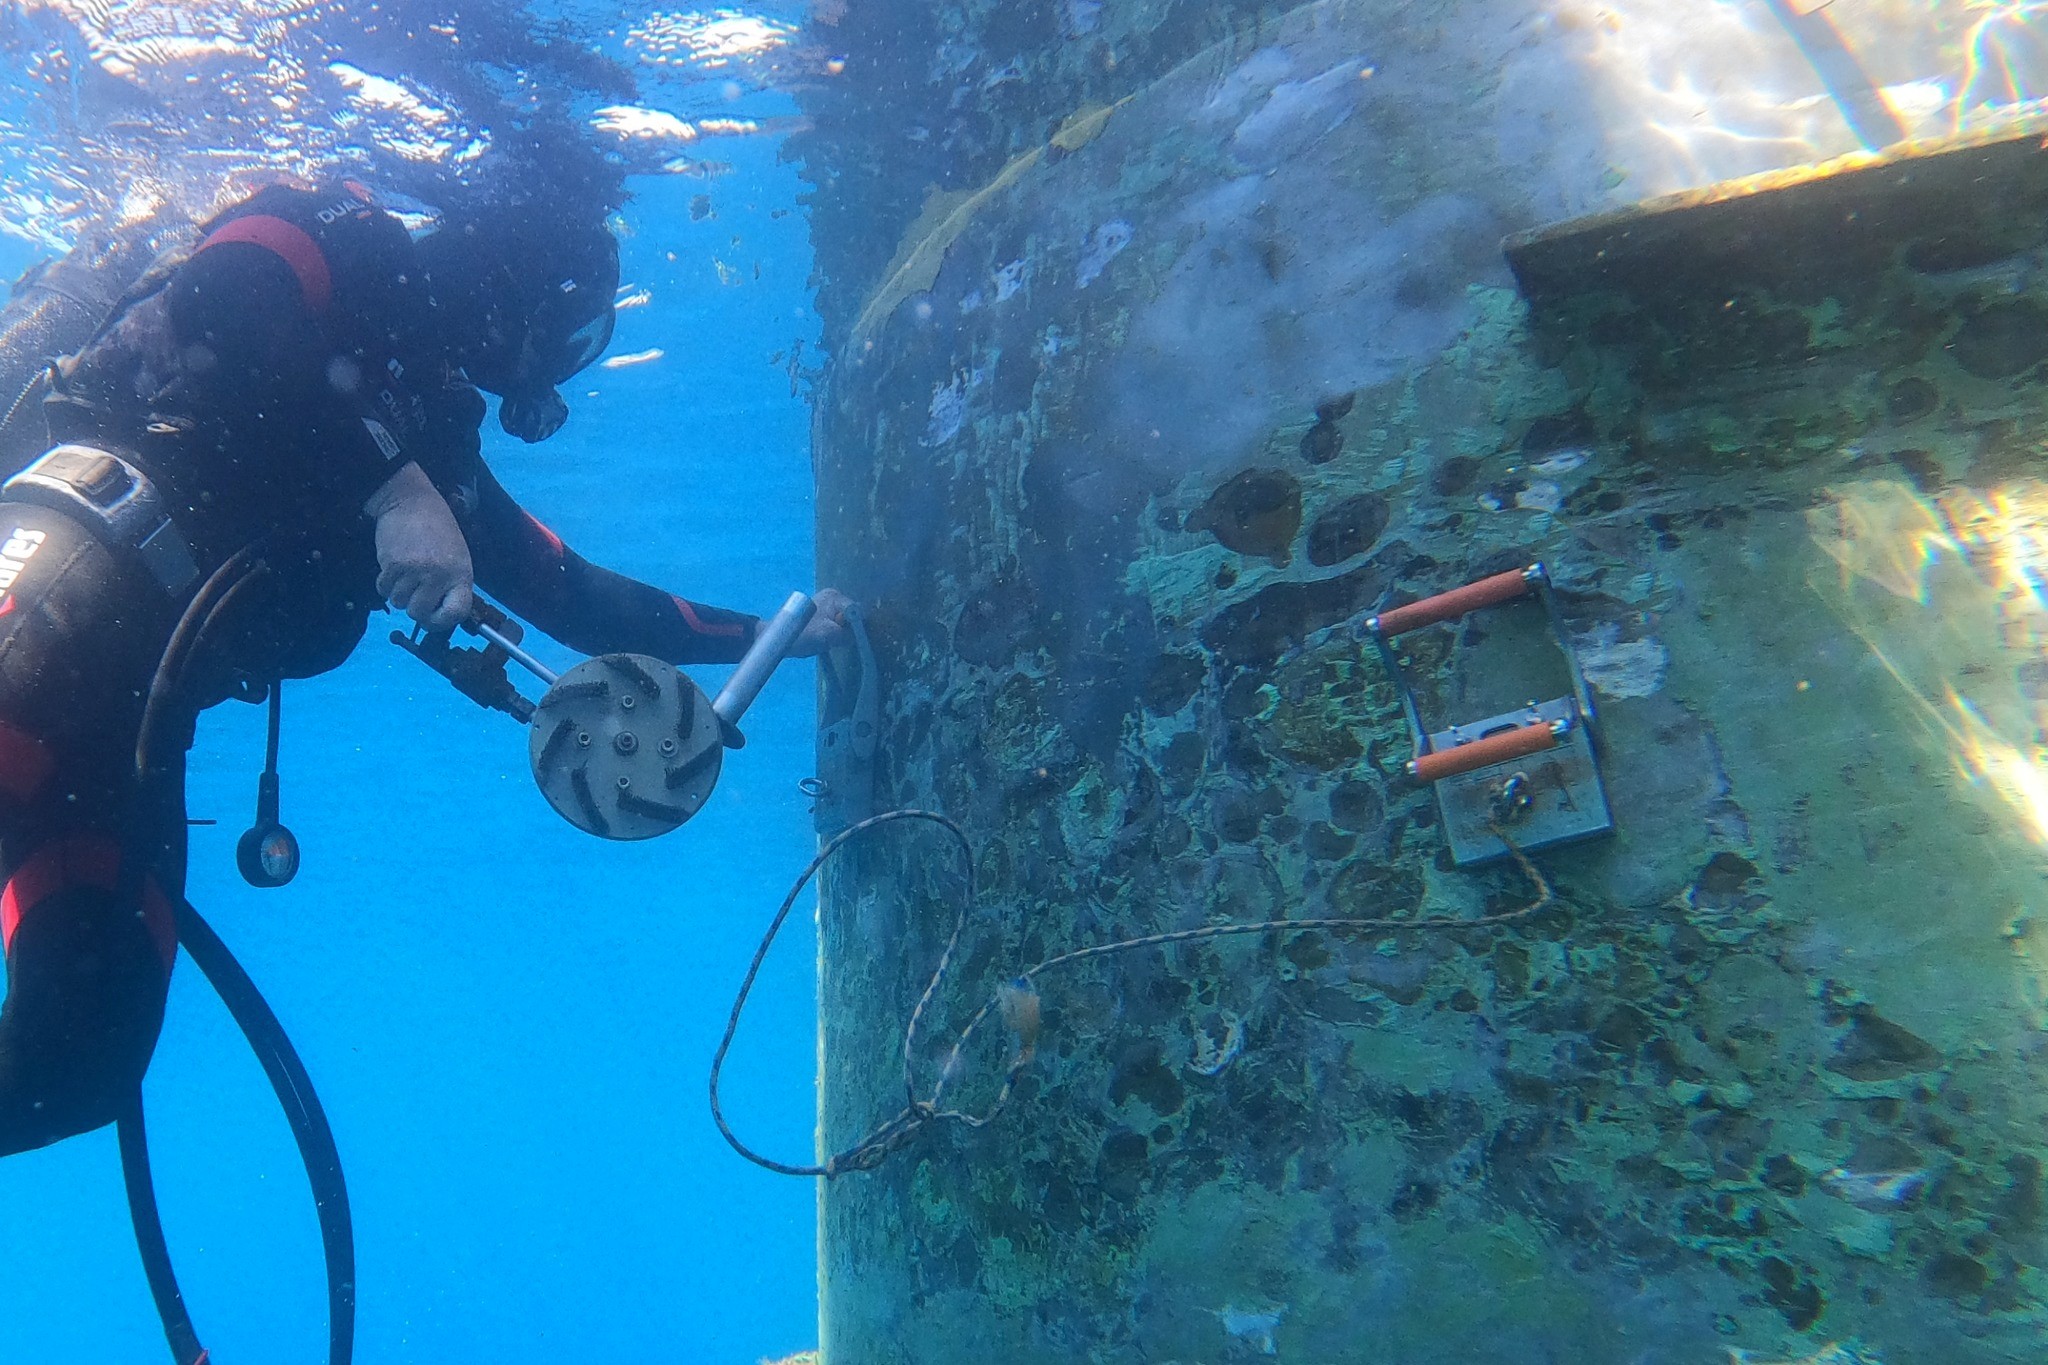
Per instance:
(1873,203)
(1767,1080)
(1698,280)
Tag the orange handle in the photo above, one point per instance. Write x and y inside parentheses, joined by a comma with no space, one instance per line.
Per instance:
(1481,753)
(1448,606)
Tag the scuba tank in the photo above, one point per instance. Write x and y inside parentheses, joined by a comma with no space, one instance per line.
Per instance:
(54,309)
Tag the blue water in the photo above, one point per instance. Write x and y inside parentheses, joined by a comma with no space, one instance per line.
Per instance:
(510,1022)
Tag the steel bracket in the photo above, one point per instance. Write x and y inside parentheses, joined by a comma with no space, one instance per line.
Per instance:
(849,713)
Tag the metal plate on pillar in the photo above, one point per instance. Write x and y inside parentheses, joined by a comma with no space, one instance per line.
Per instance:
(849,715)
(1551,797)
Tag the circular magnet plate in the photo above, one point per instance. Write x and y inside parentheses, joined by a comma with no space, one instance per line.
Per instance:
(625,747)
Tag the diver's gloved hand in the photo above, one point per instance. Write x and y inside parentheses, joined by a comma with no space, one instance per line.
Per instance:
(532,414)
(422,560)
(827,630)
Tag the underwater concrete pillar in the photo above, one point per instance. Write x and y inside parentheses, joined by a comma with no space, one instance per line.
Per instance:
(1205,338)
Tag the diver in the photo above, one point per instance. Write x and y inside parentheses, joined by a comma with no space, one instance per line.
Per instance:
(295,394)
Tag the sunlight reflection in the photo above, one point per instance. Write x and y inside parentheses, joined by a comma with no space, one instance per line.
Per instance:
(1987,758)
(2005,59)
(632,121)
(711,41)
(1686,96)
(1699,94)
(145,40)
(2007,533)
(1885,533)
(379,92)
(1969,650)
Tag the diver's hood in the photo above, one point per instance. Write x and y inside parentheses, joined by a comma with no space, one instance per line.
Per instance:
(527,302)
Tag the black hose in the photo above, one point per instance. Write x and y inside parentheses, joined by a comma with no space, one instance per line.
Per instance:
(273,727)
(38,325)
(252,1014)
(167,684)
(310,1129)
(149,1239)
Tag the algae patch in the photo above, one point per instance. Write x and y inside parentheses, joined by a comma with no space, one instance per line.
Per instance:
(1084,127)
(947,214)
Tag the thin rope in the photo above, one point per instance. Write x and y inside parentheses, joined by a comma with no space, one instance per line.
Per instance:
(900,1129)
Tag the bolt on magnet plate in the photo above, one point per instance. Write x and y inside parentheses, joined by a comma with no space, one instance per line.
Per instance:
(625,747)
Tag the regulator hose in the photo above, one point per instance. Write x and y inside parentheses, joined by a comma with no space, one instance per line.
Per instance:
(252,1014)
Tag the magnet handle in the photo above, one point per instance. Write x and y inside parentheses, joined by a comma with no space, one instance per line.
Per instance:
(505,641)
(770,647)
(1483,753)
(1449,606)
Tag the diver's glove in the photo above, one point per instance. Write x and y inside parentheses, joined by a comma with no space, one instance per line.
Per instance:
(827,629)
(422,560)
(532,414)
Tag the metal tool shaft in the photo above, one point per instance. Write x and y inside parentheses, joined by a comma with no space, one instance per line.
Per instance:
(770,647)
(518,655)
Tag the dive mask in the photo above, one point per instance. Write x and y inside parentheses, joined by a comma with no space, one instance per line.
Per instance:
(532,414)
(568,330)
(562,337)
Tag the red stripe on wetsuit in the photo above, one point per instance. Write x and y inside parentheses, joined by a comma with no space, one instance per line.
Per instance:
(287,241)
(547,534)
(82,860)
(703,627)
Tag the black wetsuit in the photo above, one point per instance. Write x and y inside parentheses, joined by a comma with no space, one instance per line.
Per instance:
(268,382)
